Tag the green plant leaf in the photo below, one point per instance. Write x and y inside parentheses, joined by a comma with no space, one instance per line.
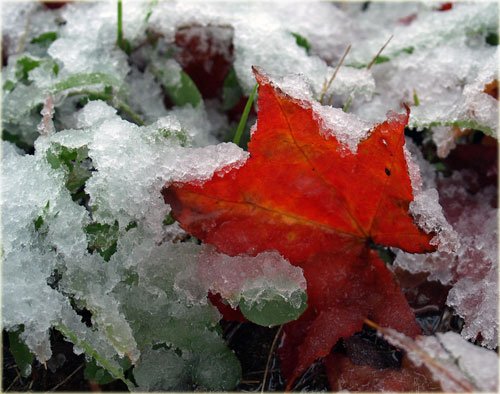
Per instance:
(9,85)
(45,38)
(85,80)
(102,238)
(21,353)
(169,220)
(492,38)
(181,136)
(24,65)
(74,162)
(381,59)
(231,91)
(114,368)
(185,92)
(302,42)
(272,309)
(244,116)
(97,374)
(40,220)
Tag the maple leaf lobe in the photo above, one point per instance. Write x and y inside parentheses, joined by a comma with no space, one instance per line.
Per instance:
(301,193)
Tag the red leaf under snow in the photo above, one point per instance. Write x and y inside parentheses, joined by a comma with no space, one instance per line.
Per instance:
(320,206)
(343,374)
(205,54)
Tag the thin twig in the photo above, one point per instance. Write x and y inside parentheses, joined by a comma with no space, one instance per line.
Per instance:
(13,382)
(271,351)
(326,86)
(378,53)
(425,357)
(67,378)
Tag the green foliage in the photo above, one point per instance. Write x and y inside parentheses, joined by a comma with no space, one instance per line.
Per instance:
(85,80)
(97,374)
(415,98)
(9,85)
(21,353)
(45,38)
(75,164)
(24,65)
(302,42)
(464,124)
(492,38)
(122,43)
(244,116)
(231,91)
(181,136)
(151,5)
(272,309)
(102,238)
(381,59)
(169,220)
(112,366)
(40,220)
(185,92)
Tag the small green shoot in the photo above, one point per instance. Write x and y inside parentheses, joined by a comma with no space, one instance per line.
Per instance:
(45,38)
(440,166)
(96,374)
(102,238)
(302,42)
(416,101)
(40,220)
(169,220)
(121,42)
(8,86)
(119,25)
(151,5)
(181,136)
(244,116)
(22,355)
(408,50)
(131,225)
(24,65)
(85,80)
(75,164)
(381,59)
(347,104)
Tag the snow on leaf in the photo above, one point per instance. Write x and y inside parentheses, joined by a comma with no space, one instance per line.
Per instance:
(320,206)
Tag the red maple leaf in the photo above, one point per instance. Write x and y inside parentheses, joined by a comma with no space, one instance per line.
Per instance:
(322,207)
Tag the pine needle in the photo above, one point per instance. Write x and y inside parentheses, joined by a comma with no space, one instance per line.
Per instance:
(67,378)
(326,86)
(378,53)
(271,351)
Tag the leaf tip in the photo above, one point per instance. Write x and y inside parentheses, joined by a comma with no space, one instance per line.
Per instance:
(260,76)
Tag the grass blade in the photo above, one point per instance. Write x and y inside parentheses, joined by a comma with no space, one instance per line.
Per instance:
(244,117)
